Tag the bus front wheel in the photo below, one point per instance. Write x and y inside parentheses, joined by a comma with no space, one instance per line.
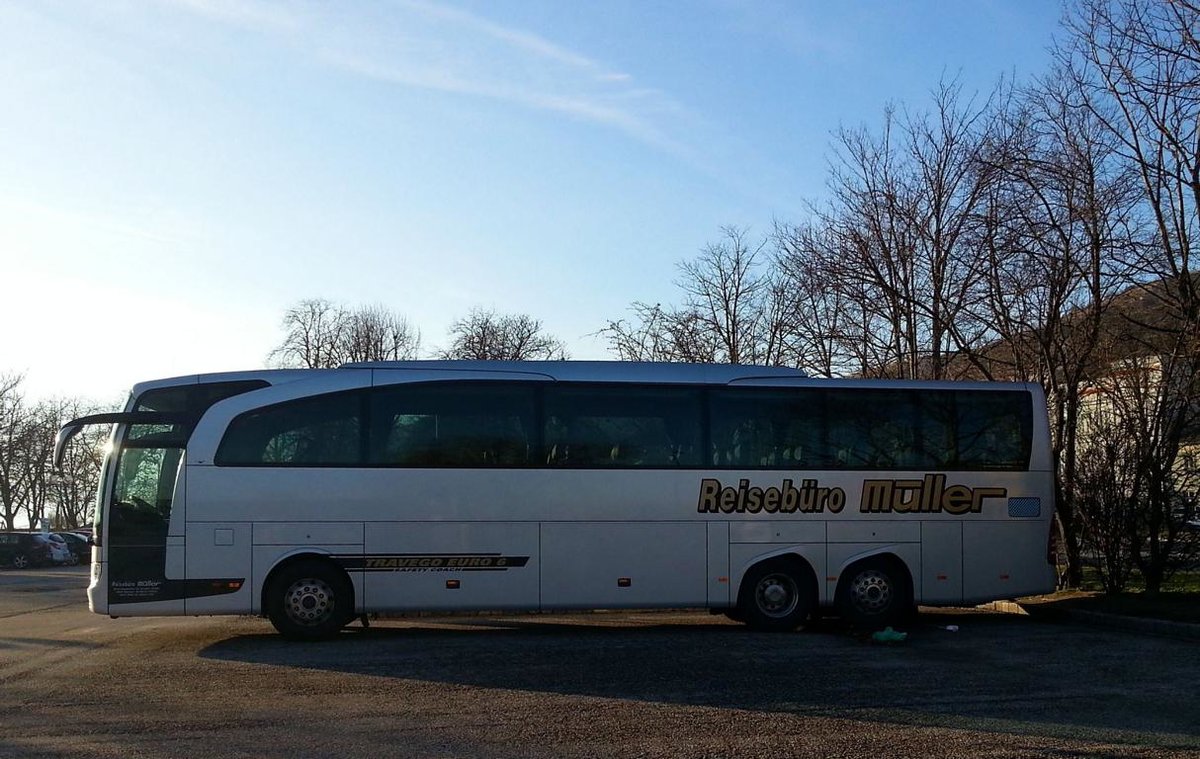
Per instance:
(310,600)
(776,596)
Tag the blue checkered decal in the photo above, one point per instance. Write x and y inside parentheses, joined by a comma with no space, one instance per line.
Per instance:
(1024,507)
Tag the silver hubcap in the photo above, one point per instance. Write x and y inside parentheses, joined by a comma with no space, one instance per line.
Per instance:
(20,562)
(871,591)
(308,601)
(777,595)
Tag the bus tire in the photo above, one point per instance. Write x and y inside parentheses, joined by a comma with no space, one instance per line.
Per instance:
(20,561)
(874,593)
(310,599)
(776,596)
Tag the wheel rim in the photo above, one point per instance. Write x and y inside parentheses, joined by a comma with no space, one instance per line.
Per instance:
(309,602)
(20,562)
(777,595)
(871,592)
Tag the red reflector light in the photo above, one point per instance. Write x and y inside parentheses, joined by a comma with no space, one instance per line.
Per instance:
(624,582)
(452,584)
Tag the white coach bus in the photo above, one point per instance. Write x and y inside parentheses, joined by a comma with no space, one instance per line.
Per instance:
(316,496)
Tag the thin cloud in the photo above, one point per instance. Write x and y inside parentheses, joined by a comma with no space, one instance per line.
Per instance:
(583,108)
(526,41)
(430,46)
(244,14)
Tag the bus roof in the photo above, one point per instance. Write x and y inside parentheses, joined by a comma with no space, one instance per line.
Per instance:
(578,371)
(599,371)
(273,376)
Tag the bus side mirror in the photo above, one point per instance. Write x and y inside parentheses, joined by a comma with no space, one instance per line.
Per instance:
(69,430)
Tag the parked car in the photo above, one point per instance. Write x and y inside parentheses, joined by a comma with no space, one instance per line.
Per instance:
(80,547)
(60,552)
(24,549)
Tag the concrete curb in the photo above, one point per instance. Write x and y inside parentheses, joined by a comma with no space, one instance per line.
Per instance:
(1122,622)
(1005,607)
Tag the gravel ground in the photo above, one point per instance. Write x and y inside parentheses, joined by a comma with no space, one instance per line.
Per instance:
(608,684)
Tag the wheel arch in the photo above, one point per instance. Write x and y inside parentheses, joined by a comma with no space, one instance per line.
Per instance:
(876,610)
(791,556)
(888,555)
(294,557)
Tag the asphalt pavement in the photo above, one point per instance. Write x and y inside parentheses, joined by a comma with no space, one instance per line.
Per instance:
(75,684)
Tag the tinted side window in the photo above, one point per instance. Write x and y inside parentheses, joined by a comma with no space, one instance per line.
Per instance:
(991,430)
(194,398)
(869,428)
(324,430)
(608,426)
(452,425)
(754,428)
(876,429)
(190,399)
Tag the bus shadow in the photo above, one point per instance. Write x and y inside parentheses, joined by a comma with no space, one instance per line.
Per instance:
(996,673)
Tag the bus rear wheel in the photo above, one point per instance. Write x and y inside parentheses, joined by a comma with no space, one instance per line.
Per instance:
(310,600)
(776,596)
(873,593)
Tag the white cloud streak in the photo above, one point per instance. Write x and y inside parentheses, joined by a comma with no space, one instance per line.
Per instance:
(425,45)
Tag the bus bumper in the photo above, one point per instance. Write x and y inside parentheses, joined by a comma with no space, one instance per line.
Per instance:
(97,598)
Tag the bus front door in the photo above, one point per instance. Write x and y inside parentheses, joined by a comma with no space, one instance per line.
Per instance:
(145,566)
(147,572)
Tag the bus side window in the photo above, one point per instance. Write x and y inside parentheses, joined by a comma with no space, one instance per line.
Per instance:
(994,430)
(777,429)
(626,427)
(451,424)
(323,430)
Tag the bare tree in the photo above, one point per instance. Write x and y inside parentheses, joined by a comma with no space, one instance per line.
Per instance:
(1105,496)
(28,488)
(1059,216)
(70,492)
(831,322)
(320,334)
(35,475)
(13,427)
(734,311)
(735,301)
(373,333)
(898,241)
(488,336)
(655,333)
(1136,66)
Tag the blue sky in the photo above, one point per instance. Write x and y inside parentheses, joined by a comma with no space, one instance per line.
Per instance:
(175,173)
